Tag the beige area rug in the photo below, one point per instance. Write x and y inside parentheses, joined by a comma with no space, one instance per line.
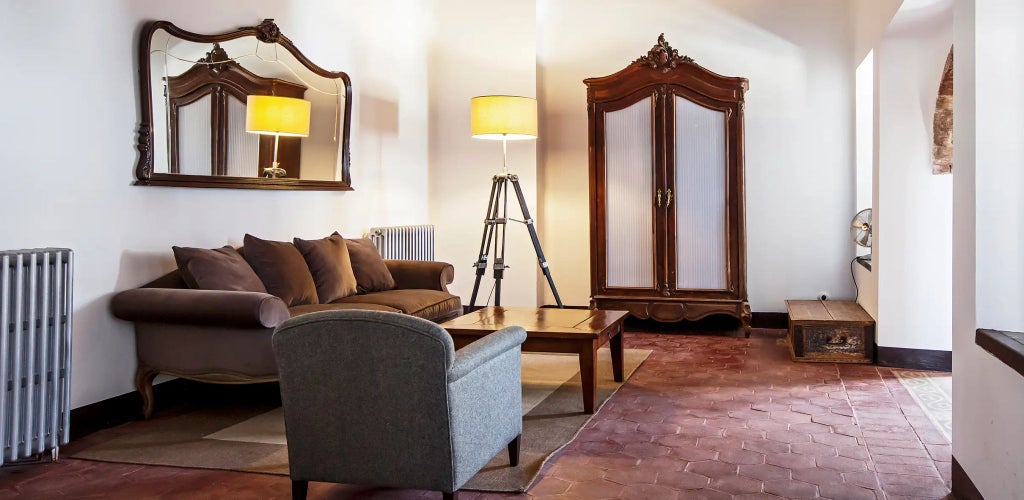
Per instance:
(252,439)
(934,393)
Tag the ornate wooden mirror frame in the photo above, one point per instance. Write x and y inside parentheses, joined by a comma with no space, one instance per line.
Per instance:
(268,33)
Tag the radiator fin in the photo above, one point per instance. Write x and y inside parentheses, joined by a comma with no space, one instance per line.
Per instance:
(35,351)
(404,242)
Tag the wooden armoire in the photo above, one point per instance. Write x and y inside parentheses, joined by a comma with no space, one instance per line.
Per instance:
(666,190)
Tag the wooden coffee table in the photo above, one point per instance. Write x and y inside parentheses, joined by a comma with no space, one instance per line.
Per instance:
(572,331)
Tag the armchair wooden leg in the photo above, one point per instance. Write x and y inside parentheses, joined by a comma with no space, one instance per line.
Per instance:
(513,451)
(450,496)
(299,490)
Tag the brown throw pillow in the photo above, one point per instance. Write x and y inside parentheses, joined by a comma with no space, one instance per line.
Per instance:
(217,269)
(372,275)
(331,266)
(282,269)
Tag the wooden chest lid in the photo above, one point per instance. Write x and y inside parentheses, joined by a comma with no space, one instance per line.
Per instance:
(844,311)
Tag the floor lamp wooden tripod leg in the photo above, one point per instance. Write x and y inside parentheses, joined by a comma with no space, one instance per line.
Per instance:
(495,224)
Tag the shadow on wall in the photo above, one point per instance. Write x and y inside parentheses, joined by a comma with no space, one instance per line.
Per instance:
(786,21)
(139,268)
(378,122)
(96,359)
(94,356)
(378,115)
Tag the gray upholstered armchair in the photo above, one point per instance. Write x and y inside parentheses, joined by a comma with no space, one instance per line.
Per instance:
(383,399)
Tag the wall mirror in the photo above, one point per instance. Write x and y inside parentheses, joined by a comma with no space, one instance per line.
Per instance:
(194,92)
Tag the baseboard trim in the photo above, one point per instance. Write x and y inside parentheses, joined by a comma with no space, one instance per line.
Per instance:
(1007,347)
(773,320)
(914,359)
(963,487)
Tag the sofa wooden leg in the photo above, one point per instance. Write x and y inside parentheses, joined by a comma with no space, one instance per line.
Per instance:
(513,451)
(299,490)
(144,376)
(450,496)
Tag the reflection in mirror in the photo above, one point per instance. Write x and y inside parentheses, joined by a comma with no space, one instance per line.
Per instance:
(197,90)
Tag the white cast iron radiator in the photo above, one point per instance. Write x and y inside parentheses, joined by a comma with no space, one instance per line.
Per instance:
(404,242)
(35,351)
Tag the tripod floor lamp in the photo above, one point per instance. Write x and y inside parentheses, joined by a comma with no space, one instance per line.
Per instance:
(504,118)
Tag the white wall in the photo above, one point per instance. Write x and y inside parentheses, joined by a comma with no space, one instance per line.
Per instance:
(866,130)
(988,272)
(869,22)
(865,123)
(870,19)
(69,125)
(480,48)
(912,254)
(799,128)
(867,282)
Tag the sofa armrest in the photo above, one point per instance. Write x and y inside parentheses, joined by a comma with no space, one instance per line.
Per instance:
(485,349)
(203,307)
(422,275)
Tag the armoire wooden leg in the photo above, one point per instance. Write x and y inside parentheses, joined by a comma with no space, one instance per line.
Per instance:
(745,318)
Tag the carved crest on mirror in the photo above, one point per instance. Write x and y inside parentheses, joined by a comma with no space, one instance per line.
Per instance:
(193,94)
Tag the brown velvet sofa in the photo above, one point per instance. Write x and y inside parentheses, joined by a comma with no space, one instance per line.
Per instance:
(225,336)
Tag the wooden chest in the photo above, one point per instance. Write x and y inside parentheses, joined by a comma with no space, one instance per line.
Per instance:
(833,331)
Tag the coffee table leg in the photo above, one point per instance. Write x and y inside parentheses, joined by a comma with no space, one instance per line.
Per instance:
(588,372)
(615,343)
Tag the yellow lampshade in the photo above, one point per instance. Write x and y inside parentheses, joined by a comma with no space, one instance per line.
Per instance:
(274,115)
(500,117)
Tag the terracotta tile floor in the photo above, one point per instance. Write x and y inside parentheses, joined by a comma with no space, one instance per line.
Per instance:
(704,417)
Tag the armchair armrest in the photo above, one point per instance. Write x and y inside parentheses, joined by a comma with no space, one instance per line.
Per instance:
(206,307)
(487,348)
(423,275)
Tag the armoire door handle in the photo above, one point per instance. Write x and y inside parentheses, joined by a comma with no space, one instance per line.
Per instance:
(668,203)
(658,198)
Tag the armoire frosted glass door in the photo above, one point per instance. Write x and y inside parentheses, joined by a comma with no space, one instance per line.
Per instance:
(629,184)
(194,141)
(699,198)
(243,147)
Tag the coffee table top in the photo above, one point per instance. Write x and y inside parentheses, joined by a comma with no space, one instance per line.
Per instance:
(539,322)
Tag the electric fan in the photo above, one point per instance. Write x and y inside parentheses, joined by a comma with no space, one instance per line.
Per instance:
(860,228)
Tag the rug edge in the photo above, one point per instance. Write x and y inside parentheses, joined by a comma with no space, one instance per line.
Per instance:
(647,354)
(554,452)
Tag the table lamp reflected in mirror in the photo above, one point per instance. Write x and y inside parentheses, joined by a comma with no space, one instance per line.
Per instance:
(276,116)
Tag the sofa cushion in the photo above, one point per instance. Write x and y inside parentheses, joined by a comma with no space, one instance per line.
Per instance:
(216,269)
(330,265)
(311,308)
(372,274)
(427,304)
(282,269)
